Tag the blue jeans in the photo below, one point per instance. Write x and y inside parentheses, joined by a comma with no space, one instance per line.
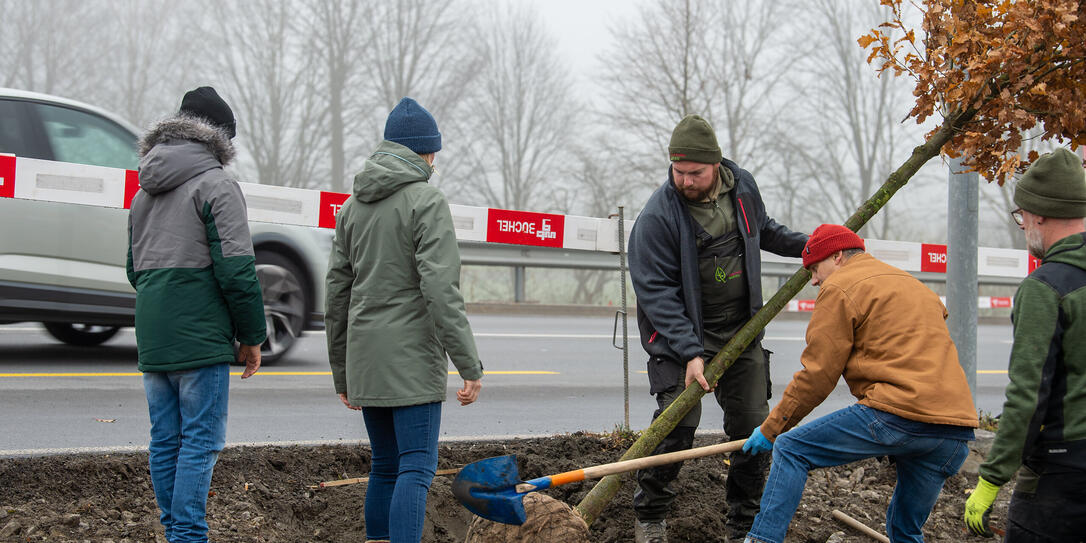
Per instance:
(848,435)
(404,443)
(188,429)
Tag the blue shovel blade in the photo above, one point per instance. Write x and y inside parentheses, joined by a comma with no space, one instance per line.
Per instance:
(488,489)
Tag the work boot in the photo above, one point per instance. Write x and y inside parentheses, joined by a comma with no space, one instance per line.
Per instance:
(650,532)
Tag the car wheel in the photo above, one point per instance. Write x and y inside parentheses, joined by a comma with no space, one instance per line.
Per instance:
(284,292)
(81,335)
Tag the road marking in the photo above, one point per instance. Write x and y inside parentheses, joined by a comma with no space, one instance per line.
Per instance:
(265,373)
(986,372)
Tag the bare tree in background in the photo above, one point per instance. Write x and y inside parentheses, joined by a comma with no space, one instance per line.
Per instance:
(697,56)
(50,46)
(128,56)
(849,118)
(425,50)
(150,59)
(523,114)
(266,58)
(597,189)
(336,27)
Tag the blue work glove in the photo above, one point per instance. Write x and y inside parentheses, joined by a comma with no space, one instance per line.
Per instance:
(757,443)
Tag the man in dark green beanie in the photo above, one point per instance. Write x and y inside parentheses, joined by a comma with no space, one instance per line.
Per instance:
(1043,426)
(696,269)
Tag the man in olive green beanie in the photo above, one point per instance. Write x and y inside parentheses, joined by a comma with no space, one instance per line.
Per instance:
(696,269)
(1042,429)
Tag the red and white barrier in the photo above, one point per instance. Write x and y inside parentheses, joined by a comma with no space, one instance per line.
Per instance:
(34,179)
(983,302)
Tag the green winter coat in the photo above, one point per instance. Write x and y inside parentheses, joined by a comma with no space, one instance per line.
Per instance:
(1044,417)
(394,307)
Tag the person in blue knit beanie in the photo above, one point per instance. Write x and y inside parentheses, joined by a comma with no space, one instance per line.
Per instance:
(394,312)
(410,125)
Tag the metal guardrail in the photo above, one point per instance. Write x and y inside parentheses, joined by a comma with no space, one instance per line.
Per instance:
(497,254)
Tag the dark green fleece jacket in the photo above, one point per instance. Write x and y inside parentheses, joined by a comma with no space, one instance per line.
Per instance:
(1044,416)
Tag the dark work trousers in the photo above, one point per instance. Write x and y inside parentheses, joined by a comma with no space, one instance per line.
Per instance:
(743,393)
(1048,506)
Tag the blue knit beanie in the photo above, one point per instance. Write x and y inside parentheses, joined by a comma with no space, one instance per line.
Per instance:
(410,125)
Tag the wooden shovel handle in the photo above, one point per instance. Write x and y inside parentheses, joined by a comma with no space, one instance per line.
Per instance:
(356,480)
(867,530)
(595,472)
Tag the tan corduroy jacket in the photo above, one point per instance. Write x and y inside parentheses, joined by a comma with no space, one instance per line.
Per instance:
(885,332)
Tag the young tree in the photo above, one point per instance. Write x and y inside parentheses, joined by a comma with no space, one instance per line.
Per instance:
(991,70)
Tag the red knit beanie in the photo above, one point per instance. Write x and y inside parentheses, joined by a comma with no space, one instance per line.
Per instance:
(828,239)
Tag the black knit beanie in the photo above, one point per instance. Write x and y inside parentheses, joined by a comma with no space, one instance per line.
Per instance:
(205,102)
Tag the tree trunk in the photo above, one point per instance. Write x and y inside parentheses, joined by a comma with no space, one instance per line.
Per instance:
(601,494)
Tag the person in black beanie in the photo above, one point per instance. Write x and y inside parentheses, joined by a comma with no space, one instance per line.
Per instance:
(191,262)
(205,103)
(395,317)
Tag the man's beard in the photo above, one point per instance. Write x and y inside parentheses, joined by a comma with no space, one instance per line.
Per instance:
(1035,243)
(696,196)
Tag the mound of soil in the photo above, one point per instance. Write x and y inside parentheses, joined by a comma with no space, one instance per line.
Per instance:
(264,494)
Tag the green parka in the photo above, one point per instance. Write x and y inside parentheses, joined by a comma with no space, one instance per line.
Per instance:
(394,307)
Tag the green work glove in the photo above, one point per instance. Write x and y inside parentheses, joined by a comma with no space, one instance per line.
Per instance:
(979,506)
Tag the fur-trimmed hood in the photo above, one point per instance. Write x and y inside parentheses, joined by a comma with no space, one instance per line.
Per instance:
(188,127)
(180,148)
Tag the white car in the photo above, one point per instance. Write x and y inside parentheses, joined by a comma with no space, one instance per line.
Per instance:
(64,264)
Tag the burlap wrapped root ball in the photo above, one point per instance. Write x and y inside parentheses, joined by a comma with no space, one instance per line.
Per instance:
(549,521)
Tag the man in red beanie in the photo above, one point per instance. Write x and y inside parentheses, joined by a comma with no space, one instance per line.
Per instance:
(885,333)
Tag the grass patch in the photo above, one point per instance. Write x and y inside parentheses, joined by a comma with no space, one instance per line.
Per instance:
(989,421)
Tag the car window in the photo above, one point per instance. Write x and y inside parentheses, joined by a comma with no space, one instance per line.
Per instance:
(15,136)
(84,138)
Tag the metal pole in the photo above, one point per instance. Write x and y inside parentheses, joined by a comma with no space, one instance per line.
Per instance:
(625,332)
(961,269)
(518,285)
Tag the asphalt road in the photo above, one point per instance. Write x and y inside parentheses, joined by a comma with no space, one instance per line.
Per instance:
(545,375)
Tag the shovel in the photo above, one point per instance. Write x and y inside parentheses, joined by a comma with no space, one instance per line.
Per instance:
(491,488)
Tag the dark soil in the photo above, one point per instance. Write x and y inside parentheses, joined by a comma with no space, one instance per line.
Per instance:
(263,494)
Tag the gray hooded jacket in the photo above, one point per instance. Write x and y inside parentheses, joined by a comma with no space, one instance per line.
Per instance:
(190,256)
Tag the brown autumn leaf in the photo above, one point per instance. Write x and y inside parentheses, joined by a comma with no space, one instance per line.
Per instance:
(1015,65)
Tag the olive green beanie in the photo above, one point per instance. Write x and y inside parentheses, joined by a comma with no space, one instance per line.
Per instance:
(1054,186)
(694,140)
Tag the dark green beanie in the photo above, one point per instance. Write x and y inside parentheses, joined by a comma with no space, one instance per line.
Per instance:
(1054,186)
(694,140)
